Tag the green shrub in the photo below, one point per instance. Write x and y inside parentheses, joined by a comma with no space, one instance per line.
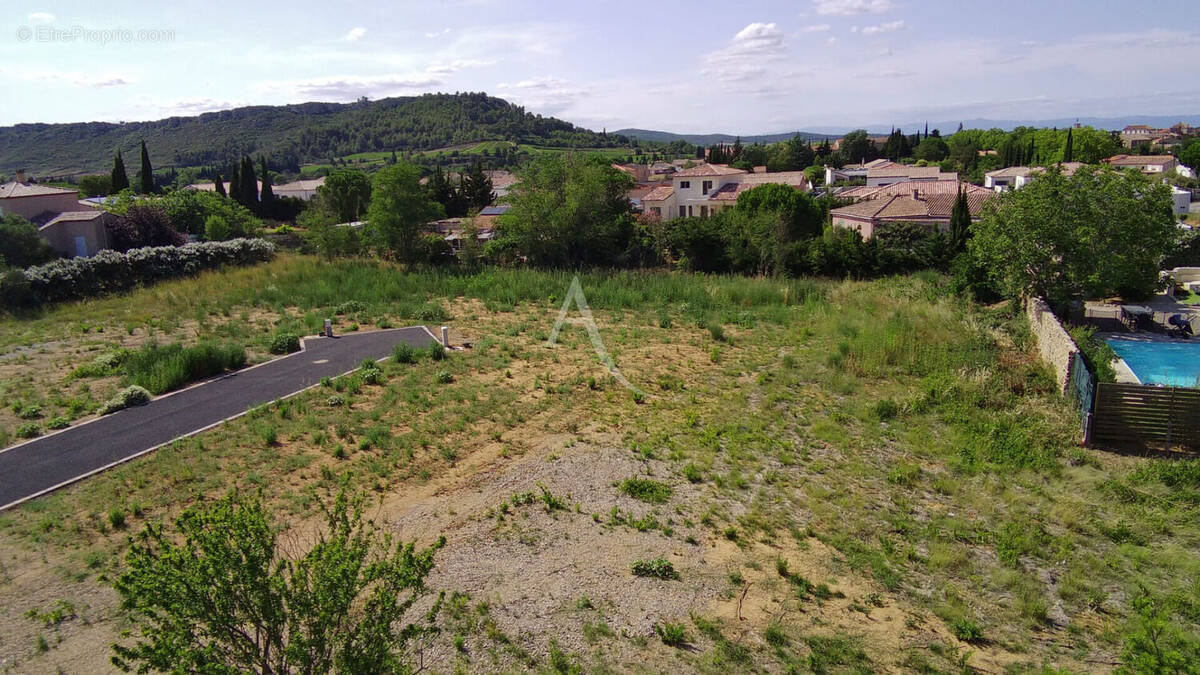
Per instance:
(444,377)
(717,331)
(103,365)
(285,343)
(29,430)
(404,353)
(116,518)
(659,568)
(27,411)
(672,634)
(127,397)
(646,490)
(966,630)
(433,313)
(1096,352)
(162,369)
(436,351)
(349,307)
(59,422)
(885,409)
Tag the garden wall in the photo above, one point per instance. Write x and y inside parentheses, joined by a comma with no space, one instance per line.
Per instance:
(1054,343)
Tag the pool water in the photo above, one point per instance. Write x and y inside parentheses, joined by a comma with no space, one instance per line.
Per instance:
(1175,364)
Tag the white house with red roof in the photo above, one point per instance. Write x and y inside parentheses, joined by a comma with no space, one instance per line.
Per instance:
(706,189)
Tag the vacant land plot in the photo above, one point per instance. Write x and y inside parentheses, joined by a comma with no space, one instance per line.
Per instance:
(819,476)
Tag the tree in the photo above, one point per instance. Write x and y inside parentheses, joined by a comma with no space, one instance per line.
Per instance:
(1069,149)
(235,184)
(146,175)
(143,223)
(476,188)
(249,186)
(322,233)
(568,210)
(119,179)
(798,211)
(857,147)
(1190,155)
(95,186)
(346,193)
(267,198)
(218,184)
(932,149)
(20,243)
(399,209)
(219,595)
(960,223)
(1093,234)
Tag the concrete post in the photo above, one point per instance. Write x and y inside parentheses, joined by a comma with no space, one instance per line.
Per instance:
(328,328)
(445,337)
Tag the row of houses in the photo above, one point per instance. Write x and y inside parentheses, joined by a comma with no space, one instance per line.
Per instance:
(1141,135)
(1016,177)
(707,189)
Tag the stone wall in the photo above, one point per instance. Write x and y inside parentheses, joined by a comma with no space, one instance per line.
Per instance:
(1054,343)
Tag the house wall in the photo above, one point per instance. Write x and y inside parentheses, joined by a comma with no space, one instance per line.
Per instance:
(30,207)
(865,228)
(62,235)
(1183,201)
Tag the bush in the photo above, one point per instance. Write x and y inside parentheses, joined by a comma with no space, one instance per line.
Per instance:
(29,430)
(404,353)
(349,307)
(162,369)
(110,271)
(285,343)
(672,634)
(126,398)
(659,568)
(966,630)
(444,377)
(59,422)
(436,351)
(646,490)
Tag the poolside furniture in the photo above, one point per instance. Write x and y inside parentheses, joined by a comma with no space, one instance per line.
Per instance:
(1137,317)
(1180,326)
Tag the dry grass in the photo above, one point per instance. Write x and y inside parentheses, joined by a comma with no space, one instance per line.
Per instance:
(812,524)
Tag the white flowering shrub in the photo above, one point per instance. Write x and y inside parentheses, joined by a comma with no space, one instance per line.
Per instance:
(109,271)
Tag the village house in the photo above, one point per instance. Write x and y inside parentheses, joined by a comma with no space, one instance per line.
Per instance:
(914,201)
(887,173)
(37,203)
(1147,164)
(1015,177)
(78,233)
(708,188)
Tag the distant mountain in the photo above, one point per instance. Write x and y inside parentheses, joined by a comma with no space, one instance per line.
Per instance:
(817,133)
(288,135)
(711,139)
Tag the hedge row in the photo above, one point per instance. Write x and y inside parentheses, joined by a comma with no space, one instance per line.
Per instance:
(109,271)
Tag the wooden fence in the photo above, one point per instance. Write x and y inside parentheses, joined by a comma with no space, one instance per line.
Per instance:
(1141,417)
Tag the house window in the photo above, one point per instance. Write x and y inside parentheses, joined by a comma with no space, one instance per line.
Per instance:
(703,211)
(656,210)
(685,184)
(705,186)
(683,212)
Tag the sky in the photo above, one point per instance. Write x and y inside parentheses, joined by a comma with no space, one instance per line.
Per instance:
(693,66)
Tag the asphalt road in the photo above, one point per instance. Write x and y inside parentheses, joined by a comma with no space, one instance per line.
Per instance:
(50,462)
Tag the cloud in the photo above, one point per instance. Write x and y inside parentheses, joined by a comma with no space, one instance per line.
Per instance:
(831,40)
(355,33)
(888,27)
(351,87)
(41,17)
(79,79)
(438,33)
(546,94)
(852,7)
(816,28)
(182,106)
(448,67)
(749,53)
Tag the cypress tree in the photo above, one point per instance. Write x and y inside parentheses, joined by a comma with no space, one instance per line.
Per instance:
(147,173)
(1069,150)
(249,189)
(267,205)
(119,179)
(219,184)
(960,223)
(1031,154)
(477,188)
(235,184)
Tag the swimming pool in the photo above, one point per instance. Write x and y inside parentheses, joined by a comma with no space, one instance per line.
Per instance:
(1175,364)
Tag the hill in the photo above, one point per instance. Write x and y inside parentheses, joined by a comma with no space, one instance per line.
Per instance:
(289,134)
(710,139)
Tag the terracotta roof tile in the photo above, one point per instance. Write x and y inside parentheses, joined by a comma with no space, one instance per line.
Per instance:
(659,194)
(708,170)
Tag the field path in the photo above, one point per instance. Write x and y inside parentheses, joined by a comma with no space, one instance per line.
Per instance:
(45,464)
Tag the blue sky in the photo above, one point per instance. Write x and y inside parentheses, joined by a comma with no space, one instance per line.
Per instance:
(690,66)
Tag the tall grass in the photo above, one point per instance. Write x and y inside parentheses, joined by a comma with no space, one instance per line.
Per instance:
(162,369)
